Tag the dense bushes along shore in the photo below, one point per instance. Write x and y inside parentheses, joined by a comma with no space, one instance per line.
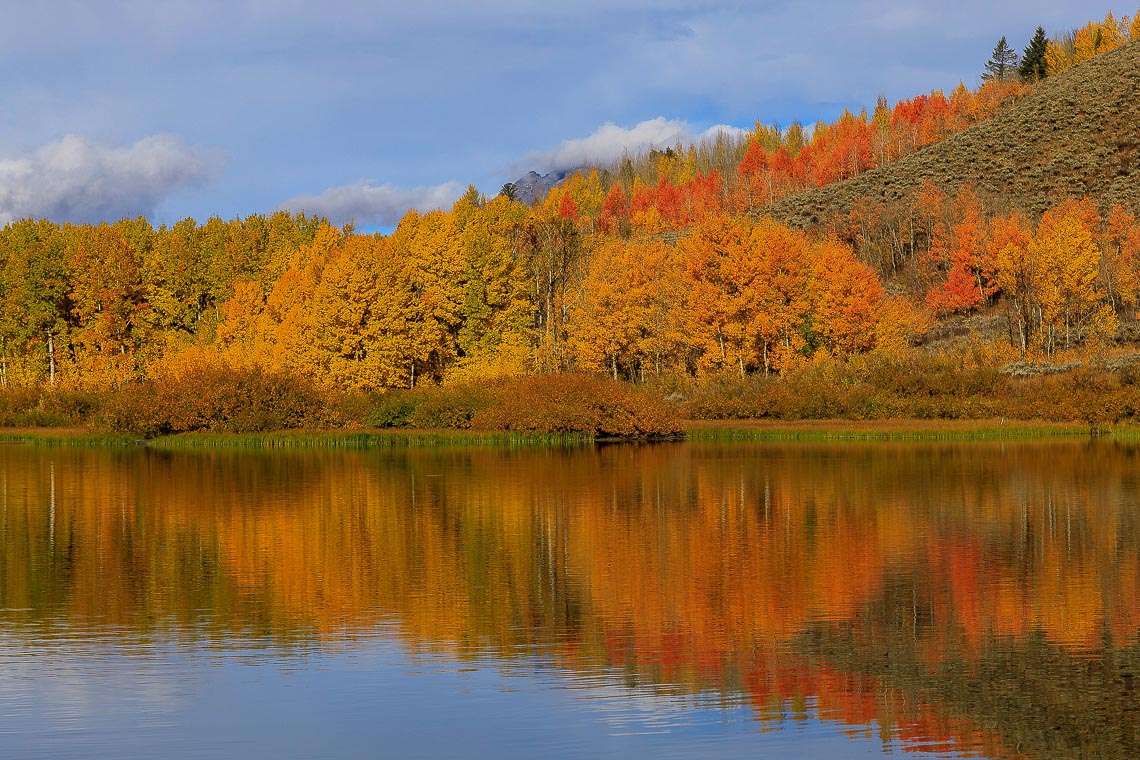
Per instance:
(875,387)
(252,400)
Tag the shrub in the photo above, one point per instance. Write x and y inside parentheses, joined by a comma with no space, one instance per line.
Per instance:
(221,399)
(577,403)
(562,404)
(45,407)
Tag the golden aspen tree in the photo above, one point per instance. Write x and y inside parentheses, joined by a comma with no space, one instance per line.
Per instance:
(365,318)
(622,321)
(846,299)
(430,247)
(1059,53)
(901,320)
(587,192)
(1008,245)
(240,334)
(721,272)
(35,293)
(1066,267)
(496,336)
(112,318)
(781,320)
(1120,265)
(550,244)
(283,321)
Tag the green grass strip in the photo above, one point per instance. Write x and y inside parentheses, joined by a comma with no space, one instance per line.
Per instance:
(705,432)
(872,432)
(55,438)
(365,441)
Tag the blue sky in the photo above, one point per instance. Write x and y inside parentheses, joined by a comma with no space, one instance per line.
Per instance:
(362,109)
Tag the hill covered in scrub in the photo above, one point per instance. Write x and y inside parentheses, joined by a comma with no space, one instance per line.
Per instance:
(1076,134)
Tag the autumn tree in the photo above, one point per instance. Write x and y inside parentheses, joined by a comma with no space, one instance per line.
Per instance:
(721,274)
(626,318)
(1065,258)
(551,246)
(1015,275)
(113,334)
(958,248)
(1120,259)
(846,297)
(782,320)
(35,302)
(496,336)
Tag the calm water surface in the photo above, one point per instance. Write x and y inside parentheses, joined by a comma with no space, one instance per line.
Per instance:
(682,600)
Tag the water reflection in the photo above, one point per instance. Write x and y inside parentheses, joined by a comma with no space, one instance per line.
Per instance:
(968,599)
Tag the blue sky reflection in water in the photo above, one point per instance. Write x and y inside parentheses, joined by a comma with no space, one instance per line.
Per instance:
(370,699)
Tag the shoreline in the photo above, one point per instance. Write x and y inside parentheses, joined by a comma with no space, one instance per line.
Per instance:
(695,431)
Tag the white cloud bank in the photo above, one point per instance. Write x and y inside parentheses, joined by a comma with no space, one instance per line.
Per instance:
(610,142)
(366,203)
(75,179)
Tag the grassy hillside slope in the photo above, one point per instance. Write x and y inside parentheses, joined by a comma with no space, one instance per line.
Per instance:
(1078,134)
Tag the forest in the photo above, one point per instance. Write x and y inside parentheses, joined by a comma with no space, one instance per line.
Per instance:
(664,272)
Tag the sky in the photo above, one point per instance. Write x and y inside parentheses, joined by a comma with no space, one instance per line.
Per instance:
(360,110)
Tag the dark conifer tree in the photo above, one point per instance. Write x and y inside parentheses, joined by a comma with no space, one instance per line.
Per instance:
(1033,66)
(1002,65)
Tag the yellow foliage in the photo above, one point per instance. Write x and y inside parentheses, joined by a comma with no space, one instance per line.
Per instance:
(1058,57)
(901,320)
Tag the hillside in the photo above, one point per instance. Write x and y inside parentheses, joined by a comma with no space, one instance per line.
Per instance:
(1077,134)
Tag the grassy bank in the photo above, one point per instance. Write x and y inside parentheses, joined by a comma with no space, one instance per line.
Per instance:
(774,431)
(896,430)
(66,437)
(292,439)
(377,439)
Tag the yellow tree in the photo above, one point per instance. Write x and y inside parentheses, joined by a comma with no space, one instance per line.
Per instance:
(283,321)
(113,318)
(35,292)
(496,337)
(1065,280)
(1095,38)
(847,296)
(1120,268)
(781,320)
(1008,246)
(430,248)
(721,272)
(364,319)
(623,319)
(240,336)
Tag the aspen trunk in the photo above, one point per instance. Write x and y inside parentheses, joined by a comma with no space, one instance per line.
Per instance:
(51,358)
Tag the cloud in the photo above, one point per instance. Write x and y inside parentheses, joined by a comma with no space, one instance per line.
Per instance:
(366,203)
(77,180)
(610,142)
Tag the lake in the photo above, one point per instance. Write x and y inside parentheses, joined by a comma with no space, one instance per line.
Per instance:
(672,600)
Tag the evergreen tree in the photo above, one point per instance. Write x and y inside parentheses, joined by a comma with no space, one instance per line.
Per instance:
(1002,64)
(1033,67)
